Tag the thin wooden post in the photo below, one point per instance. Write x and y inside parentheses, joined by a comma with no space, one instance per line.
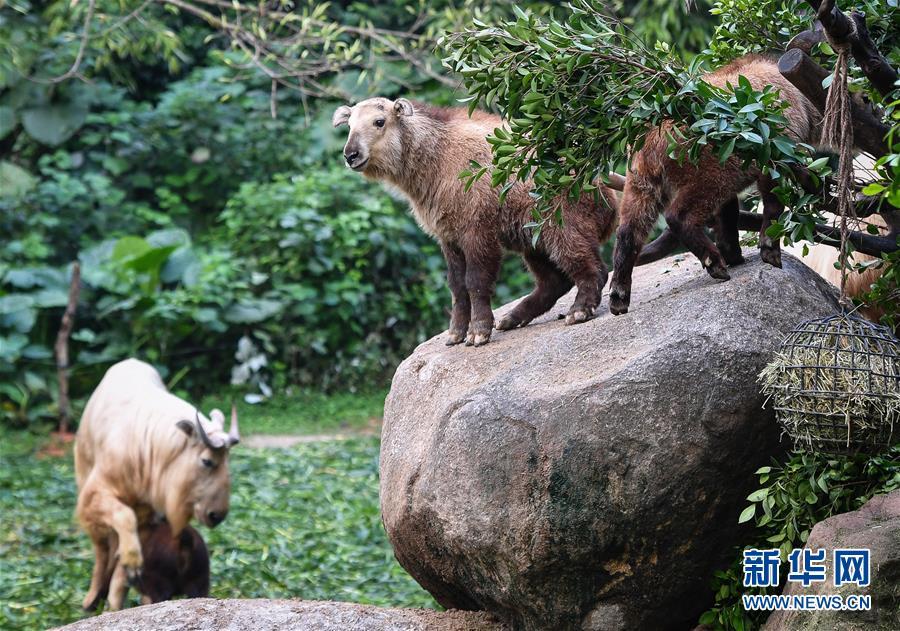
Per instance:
(61,349)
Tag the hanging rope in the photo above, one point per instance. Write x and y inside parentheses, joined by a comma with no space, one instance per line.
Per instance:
(837,133)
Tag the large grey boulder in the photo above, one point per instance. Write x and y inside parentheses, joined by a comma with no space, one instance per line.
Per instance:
(875,526)
(207,614)
(591,476)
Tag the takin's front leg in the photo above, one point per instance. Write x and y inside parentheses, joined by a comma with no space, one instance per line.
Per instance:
(456,279)
(551,285)
(101,513)
(483,256)
(686,215)
(99,576)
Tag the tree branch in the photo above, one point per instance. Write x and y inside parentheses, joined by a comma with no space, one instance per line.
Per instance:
(807,76)
(873,245)
(852,31)
(61,349)
(82,47)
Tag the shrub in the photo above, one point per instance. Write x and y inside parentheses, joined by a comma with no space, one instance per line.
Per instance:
(358,284)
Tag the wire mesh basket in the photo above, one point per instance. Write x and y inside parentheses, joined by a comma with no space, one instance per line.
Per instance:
(835,385)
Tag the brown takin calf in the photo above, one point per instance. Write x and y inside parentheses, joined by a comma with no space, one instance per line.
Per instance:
(691,195)
(173,566)
(421,150)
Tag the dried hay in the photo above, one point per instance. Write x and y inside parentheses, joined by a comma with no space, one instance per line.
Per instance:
(835,385)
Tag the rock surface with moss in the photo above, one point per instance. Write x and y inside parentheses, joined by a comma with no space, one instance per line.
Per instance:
(592,476)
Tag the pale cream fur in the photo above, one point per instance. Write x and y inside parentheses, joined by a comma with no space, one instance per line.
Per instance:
(132,461)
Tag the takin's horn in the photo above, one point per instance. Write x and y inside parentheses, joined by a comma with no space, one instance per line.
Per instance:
(234,436)
(204,436)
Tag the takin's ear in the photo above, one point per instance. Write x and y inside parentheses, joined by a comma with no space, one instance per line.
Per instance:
(186,426)
(341,116)
(402,107)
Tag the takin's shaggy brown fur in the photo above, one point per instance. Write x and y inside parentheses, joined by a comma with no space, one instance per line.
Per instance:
(421,150)
(690,195)
(173,566)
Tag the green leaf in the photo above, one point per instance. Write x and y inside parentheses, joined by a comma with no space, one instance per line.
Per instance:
(53,124)
(14,180)
(7,120)
(249,311)
(747,514)
(758,495)
(818,164)
(875,188)
(726,150)
(129,247)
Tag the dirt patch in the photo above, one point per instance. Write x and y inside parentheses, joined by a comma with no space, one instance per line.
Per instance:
(57,446)
(284,441)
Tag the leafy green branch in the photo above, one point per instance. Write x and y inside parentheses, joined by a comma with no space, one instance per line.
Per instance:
(581,94)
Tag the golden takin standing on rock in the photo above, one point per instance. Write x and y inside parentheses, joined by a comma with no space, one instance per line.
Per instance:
(421,150)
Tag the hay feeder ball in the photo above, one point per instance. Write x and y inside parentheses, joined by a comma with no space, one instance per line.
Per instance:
(835,385)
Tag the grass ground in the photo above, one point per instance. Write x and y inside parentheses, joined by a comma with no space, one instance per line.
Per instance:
(306,412)
(304,521)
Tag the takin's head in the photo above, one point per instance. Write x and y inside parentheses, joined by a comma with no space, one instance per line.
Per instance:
(199,482)
(374,141)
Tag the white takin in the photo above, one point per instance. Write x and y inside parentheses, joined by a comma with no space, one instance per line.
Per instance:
(141,452)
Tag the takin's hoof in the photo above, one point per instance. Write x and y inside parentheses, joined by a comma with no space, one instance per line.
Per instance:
(577,316)
(455,337)
(508,323)
(132,562)
(771,256)
(90,601)
(734,259)
(718,271)
(618,305)
(479,337)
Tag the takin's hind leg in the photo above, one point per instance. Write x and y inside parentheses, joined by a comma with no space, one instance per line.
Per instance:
(727,234)
(550,285)
(769,248)
(638,212)
(583,265)
(101,514)
(687,215)
(100,576)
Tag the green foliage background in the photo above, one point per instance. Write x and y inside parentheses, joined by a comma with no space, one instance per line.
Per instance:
(197,217)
